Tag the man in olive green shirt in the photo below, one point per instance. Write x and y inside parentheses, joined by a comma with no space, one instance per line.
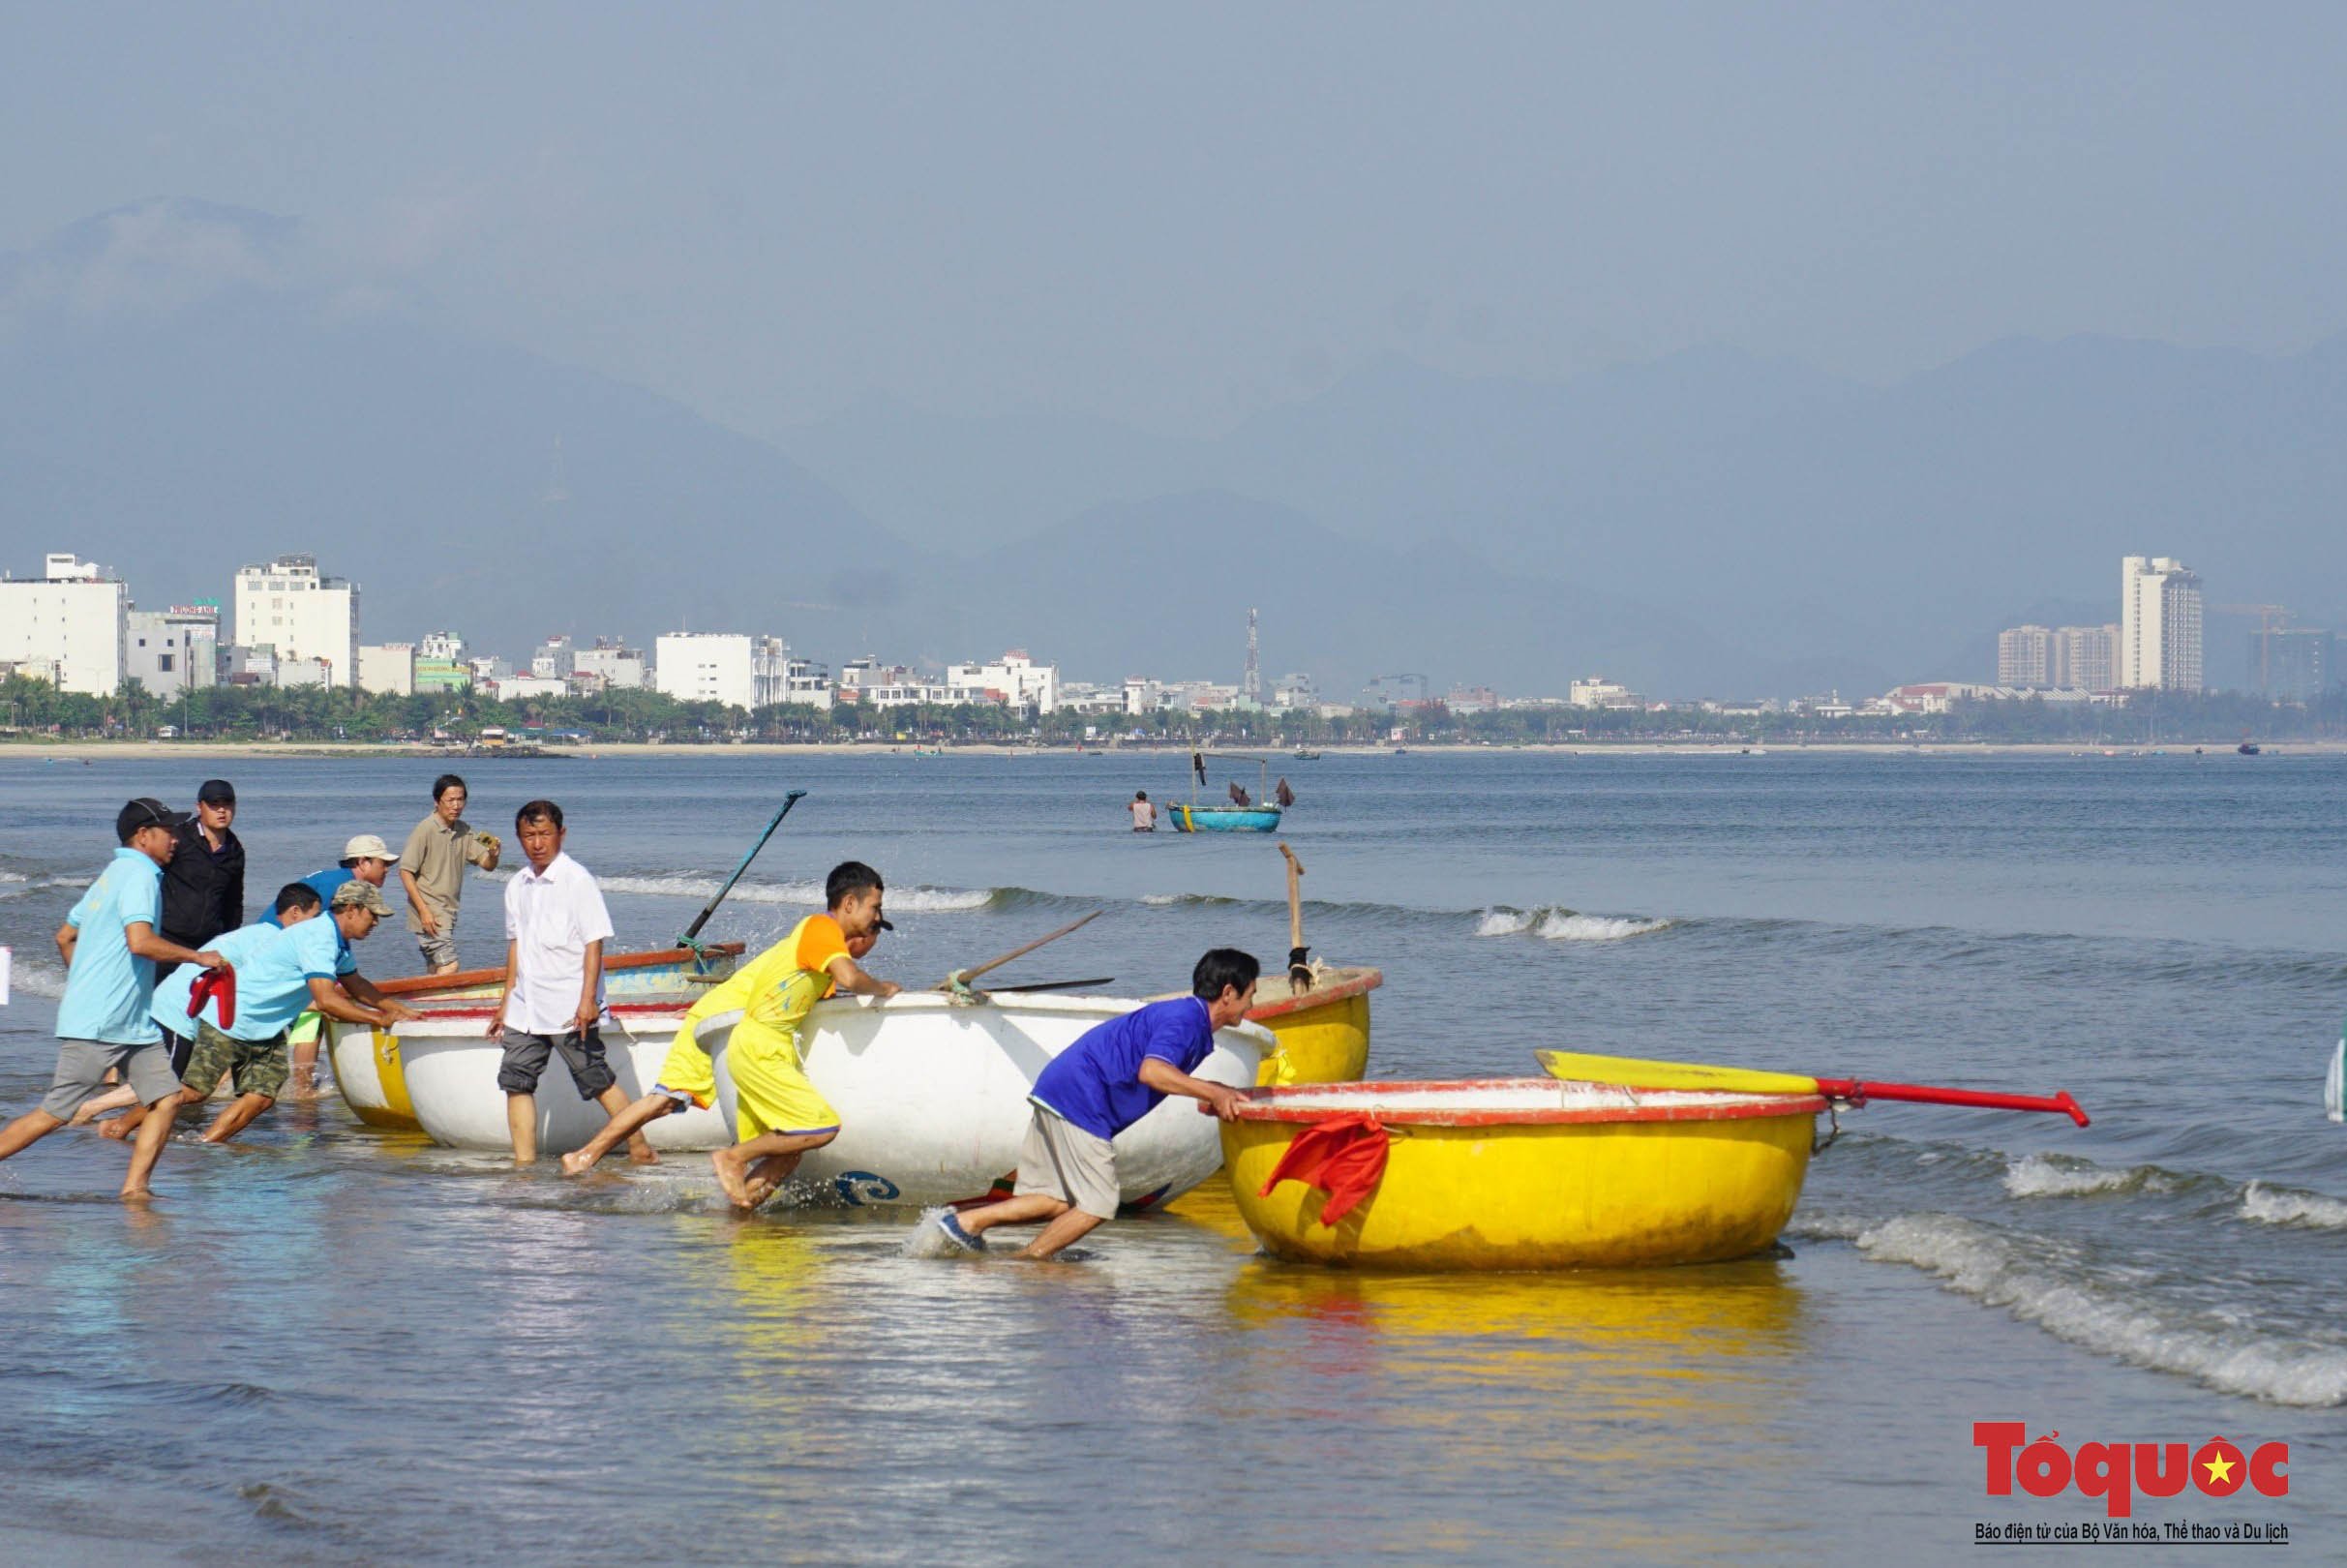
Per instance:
(432,871)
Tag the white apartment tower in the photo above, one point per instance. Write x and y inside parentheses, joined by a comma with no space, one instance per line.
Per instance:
(288,606)
(2025,656)
(705,667)
(72,621)
(2160,614)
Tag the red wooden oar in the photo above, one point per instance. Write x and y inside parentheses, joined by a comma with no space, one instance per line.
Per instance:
(1581,1067)
(1858,1091)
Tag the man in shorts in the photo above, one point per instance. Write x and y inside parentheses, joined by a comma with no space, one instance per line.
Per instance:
(298,964)
(110,948)
(1113,1075)
(779,1115)
(365,859)
(432,872)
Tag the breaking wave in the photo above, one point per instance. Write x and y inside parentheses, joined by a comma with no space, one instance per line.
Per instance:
(919,900)
(1556,924)
(36,978)
(2284,1206)
(2046,1175)
(2049,1284)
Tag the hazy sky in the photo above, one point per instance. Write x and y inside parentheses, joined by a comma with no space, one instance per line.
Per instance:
(1176,215)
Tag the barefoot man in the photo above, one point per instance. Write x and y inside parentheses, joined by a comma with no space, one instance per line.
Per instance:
(110,949)
(1110,1078)
(779,1115)
(555,926)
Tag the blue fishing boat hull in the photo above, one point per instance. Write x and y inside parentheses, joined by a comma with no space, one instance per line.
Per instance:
(1189,819)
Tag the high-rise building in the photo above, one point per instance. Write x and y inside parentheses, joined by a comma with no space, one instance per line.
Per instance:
(2294,664)
(705,667)
(170,651)
(288,606)
(2024,657)
(2083,658)
(1014,680)
(72,619)
(2159,624)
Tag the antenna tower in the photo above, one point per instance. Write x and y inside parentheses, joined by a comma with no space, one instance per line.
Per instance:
(1252,686)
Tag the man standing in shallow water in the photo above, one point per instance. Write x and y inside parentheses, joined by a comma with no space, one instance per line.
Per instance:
(110,949)
(432,872)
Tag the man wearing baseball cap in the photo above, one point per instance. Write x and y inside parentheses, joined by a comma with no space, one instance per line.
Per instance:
(203,886)
(365,859)
(110,948)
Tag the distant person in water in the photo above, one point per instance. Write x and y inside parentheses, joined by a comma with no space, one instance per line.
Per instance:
(1144,814)
(110,946)
(432,872)
(779,1115)
(1113,1075)
(555,926)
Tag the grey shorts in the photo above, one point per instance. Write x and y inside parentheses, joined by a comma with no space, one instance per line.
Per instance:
(440,952)
(82,1066)
(526,1055)
(1061,1159)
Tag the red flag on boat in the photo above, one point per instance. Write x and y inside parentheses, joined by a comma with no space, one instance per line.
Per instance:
(215,982)
(1343,1157)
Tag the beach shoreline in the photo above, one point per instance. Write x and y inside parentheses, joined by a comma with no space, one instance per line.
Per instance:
(152,750)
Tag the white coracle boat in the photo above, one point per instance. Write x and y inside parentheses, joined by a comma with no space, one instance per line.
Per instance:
(931,1092)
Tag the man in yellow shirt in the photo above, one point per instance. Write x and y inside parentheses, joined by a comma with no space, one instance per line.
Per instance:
(779,1115)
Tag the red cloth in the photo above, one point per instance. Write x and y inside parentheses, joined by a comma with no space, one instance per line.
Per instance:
(1343,1157)
(212,983)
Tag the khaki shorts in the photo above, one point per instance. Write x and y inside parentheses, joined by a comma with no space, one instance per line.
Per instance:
(440,952)
(1061,1159)
(258,1066)
(82,1069)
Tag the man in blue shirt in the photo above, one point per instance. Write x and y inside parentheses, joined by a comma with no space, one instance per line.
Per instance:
(365,859)
(1111,1077)
(302,963)
(110,948)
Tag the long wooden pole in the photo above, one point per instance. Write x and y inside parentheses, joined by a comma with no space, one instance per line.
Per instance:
(963,977)
(1299,964)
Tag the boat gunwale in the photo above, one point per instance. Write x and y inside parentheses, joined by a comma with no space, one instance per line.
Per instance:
(906,1004)
(1263,1104)
(1361,982)
(466,979)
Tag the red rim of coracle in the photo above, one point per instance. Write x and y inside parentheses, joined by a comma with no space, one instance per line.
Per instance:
(1265,1104)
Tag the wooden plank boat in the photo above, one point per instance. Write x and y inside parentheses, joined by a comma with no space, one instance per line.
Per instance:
(368,1071)
(931,1091)
(1223,819)
(1531,1174)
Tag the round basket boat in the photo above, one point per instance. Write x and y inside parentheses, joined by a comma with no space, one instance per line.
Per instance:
(1521,1173)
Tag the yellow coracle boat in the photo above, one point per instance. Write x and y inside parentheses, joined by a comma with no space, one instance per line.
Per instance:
(1323,1032)
(1519,1173)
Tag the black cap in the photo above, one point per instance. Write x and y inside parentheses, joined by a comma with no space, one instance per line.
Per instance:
(145,812)
(217,791)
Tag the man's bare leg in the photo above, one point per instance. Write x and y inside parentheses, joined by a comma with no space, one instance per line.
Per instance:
(613,1101)
(622,1125)
(304,1069)
(113,1100)
(733,1165)
(154,1131)
(1062,1232)
(236,1116)
(130,1121)
(1023,1210)
(767,1174)
(522,1121)
(26,1130)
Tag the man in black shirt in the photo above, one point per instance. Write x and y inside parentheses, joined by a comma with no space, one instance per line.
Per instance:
(203,886)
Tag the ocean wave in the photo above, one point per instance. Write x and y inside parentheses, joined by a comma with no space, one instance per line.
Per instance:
(2041,1282)
(899,900)
(35,976)
(2046,1175)
(1192,901)
(1556,924)
(2285,1206)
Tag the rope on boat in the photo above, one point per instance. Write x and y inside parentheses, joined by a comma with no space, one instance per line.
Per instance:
(1833,1117)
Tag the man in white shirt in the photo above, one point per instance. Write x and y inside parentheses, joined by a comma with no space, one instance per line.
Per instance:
(555,926)
(1144,813)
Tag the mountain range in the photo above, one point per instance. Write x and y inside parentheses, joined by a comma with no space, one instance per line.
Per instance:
(186,387)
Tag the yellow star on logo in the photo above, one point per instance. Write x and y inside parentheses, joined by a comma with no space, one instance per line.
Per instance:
(2220,1470)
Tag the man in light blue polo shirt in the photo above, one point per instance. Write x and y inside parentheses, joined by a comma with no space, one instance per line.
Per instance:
(110,948)
(300,964)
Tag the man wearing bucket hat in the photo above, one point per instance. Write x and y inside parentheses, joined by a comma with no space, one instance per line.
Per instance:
(365,859)
(110,946)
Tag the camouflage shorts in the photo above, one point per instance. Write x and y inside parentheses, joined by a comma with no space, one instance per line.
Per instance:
(260,1065)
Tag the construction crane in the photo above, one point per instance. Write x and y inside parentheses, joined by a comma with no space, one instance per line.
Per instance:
(2270,618)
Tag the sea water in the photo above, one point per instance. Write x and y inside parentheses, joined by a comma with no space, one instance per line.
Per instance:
(330,1343)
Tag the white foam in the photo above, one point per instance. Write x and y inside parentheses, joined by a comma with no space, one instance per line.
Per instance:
(2281,1206)
(919,900)
(2067,1299)
(1556,924)
(34,978)
(929,1239)
(2045,1175)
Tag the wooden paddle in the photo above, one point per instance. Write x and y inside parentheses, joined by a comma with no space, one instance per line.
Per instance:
(1299,957)
(1639,1072)
(960,979)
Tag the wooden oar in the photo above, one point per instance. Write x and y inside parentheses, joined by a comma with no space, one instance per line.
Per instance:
(1639,1072)
(710,908)
(1058,985)
(961,977)
(1299,957)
